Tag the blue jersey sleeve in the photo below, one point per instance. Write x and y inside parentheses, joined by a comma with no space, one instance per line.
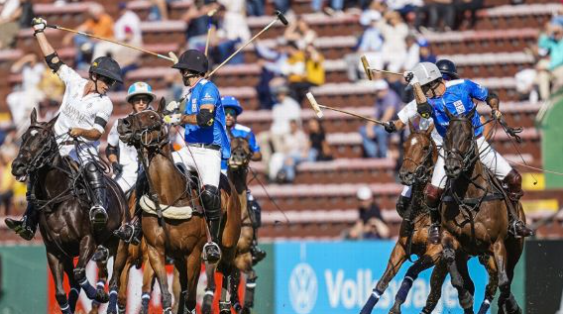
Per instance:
(209,95)
(476,91)
(252,143)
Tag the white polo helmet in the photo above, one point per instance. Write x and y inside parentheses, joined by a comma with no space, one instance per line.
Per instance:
(426,72)
(140,88)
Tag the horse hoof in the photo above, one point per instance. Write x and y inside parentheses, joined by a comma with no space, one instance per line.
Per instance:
(101,296)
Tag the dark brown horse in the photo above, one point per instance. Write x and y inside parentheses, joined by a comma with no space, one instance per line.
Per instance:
(420,155)
(475,208)
(182,239)
(237,174)
(64,222)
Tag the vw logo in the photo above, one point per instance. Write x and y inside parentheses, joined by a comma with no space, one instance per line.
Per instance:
(303,288)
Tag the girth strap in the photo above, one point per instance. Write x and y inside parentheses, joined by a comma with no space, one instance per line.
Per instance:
(474,201)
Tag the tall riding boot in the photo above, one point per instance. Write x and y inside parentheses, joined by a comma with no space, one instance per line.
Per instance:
(27,226)
(432,197)
(130,232)
(257,253)
(517,227)
(404,210)
(211,201)
(98,213)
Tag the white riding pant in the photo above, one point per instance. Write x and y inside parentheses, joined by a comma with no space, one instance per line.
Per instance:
(206,162)
(489,157)
(82,154)
(128,177)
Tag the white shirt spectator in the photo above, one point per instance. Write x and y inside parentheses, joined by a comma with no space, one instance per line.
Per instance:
(413,57)
(131,20)
(396,5)
(283,113)
(10,6)
(78,111)
(235,25)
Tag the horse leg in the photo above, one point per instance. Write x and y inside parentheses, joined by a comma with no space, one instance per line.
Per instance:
(398,257)
(224,303)
(194,269)
(88,247)
(56,267)
(421,264)
(492,285)
(74,286)
(449,254)
(235,282)
(176,290)
(436,282)
(148,280)
(123,282)
(158,262)
(120,251)
(207,304)
(249,292)
(182,268)
(505,265)
(101,285)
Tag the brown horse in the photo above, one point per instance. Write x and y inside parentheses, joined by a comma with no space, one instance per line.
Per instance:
(237,174)
(182,239)
(475,208)
(63,213)
(420,155)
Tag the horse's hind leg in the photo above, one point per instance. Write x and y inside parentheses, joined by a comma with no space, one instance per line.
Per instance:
(56,267)
(507,302)
(421,264)
(88,247)
(101,285)
(224,304)
(235,282)
(120,251)
(74,286)
(398,257)
(210,290)
(148,281)
(182,271)
(436,282)
(449,254)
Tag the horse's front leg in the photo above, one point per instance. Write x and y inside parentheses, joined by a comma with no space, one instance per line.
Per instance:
(506,300)
(451,246)
(87,248)
(436,282)
(74,286)
(207,305)
(56,267)
(492,285)
(120,251)
(158,262)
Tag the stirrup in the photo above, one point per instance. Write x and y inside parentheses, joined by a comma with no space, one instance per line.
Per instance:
(98,216)
(125,233)
(518,229)
(257,254)
(434,233)
(21,228)
(211,252)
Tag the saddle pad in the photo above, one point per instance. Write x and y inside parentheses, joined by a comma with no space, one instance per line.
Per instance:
(170,212)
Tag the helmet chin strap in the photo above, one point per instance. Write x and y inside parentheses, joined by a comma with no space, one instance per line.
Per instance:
(95,83)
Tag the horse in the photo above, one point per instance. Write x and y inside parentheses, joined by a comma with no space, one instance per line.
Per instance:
(237,173)
(63,207)
(182,239)
(475,209)
(420,155)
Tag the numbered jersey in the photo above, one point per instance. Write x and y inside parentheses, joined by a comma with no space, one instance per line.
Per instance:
(458,100)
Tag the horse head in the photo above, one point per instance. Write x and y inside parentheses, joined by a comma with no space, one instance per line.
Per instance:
(419,151)
(459,144)
(144,129)
(240,153)
(37,150)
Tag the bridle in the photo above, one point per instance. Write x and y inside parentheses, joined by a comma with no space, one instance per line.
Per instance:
(236,164)
(143,136)
(423,169)
(471,156)
(45,154)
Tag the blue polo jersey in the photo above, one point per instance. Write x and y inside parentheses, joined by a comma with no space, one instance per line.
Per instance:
(458,99)
(206,93)
(240,130)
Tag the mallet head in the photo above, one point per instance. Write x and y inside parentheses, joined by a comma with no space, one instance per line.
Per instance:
(315,105)
(281,18)
(367,69)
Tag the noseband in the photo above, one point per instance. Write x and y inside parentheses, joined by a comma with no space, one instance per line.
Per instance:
(45,154)
(423,170)
(143,135)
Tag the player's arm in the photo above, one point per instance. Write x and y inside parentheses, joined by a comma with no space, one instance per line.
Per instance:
(91,134)
(204,118)
(256,153)
(483,94)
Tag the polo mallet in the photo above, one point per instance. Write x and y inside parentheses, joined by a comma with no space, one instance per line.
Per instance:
(317,108)
(368,69)
(171,56)
(210,28)
(279,16)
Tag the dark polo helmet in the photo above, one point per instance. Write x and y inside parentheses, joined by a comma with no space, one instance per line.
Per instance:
(106,66)
(447,67)
(192,60)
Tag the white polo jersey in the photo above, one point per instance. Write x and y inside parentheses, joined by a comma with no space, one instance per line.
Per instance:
(409,112)
(128,158)
(78,111)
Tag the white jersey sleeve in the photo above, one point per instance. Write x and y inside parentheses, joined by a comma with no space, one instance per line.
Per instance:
(113,137)
(68,75)
(408,112)
(103,114)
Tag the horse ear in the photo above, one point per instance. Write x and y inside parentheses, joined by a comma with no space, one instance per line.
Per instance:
(449,114)
(430,129)
(472,113)
(411,127)
(51,123)
(161,105)
(33,116)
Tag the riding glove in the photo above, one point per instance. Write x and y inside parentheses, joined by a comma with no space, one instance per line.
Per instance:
(117,168)
(173,118)
(424,110)
(390,127)
(39,24)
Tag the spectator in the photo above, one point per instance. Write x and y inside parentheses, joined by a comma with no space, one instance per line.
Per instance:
(284,111)
(255,7)
(127,58)
(158,10)
(197,20)
(99,24)
(300,33)
(525,85)
(282,5)
(336,5)
(7,183)
(271,62)
(233,31)
(394,32)
(294,70)
(128,21)
(370,223)
(461,6)
(374,137)
(552,41)
(314,66)
(413,52)
(425,53)
(14,14)
(319,149)
(294,151)
(404,7)
(370,43)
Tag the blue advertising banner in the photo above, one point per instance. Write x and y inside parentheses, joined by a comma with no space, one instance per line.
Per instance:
(337,277)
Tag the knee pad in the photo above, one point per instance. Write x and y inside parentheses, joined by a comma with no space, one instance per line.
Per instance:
(211,201)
